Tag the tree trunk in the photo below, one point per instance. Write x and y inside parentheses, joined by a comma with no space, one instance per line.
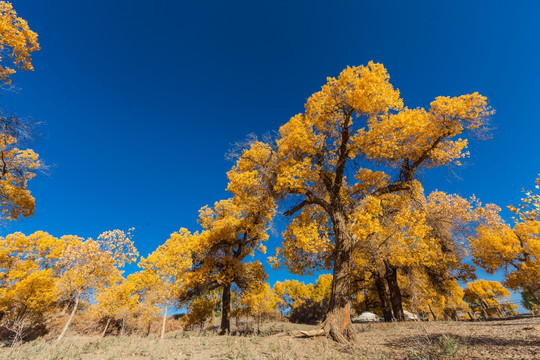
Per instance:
(432,313)
(164,322)
(64,330)
(383,298)
(338,318)
(123,326)
(395,292)
(106,327)
(225,327)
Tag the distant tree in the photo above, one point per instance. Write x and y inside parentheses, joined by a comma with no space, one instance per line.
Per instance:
(483,294)
(90,265)
(200,311)
(259,302)
(303,303)
(291,294)
(515,249)
(531,301)
(159,278)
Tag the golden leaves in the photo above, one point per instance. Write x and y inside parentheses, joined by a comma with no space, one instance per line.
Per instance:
(17,40)
(517,250)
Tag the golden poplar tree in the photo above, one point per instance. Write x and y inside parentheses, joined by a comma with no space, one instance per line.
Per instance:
(354,143)
(516,249)
(482,295)
(29,270)
(233,229)
(90,265)
(259,302)
(231,233)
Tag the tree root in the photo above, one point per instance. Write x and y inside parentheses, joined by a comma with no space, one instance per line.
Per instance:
(342,336)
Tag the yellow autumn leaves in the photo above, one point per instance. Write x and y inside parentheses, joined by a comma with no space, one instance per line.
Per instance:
(18,166)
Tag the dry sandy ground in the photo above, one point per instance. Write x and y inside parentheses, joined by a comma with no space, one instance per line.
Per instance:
(500,339)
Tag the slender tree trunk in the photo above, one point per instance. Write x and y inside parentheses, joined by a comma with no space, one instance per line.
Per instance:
(164,322)
(395,292)
(225,327)
(337,323)
(470,315)
(432,313)
(123,326)
(106,327)
(383,298)
(73,311)
(65,309)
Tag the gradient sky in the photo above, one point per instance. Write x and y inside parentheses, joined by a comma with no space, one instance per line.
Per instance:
(140,100)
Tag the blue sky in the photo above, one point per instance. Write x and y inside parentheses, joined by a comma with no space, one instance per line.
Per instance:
(141,100)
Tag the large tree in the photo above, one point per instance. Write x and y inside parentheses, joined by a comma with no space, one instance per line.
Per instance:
(353,144)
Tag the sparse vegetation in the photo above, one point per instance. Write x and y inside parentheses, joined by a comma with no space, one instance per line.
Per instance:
(411,341)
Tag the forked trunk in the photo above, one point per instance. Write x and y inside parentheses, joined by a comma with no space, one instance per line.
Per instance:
(395,292)
(106,327)
(225,327)
(383,298)
(73,311)
(164,322)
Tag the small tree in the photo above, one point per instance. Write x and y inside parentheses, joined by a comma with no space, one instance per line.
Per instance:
(259,302)
(29,269)
(482,295)
(89,265)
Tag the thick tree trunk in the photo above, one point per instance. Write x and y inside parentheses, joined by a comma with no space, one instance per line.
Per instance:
(395,292)
(338,318)
(106,327)
(164,322)
(383,298)
(73,311)
(225,327)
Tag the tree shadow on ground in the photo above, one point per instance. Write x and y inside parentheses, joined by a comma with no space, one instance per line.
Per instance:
(469,341)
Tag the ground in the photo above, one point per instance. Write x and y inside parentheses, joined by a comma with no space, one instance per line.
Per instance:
(498,339)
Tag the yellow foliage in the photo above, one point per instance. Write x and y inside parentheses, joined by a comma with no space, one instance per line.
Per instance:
(483,294)
(257,302)
(18,167)
(17,40)
(201,310)
(29,268)
(516,249)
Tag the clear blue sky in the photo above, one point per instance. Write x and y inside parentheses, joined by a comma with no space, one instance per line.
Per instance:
(141,100)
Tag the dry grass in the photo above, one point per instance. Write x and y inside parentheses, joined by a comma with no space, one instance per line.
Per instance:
(504,339)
